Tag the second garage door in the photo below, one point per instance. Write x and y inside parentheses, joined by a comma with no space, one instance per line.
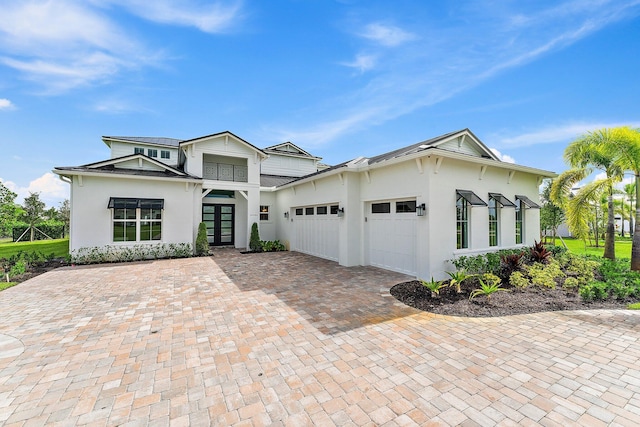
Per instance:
(316,231)
(392,235)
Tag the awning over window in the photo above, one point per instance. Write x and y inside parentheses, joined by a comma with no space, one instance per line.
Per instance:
(502,200)
(132,203)
(471,197)
(527,202)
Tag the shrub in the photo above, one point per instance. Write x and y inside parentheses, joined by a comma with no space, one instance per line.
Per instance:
(484,263)
(510,263)
(202,244)
(519,280)
(254,240)
(545,275)
(102,254)
(18,268)
(272,246)
(571,283)
(539,253)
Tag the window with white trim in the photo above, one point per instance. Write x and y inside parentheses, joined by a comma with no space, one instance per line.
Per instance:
(138,150)
(152,152)
(264,213)
(164,154)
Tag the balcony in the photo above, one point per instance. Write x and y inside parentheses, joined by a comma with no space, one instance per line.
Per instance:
(224,172)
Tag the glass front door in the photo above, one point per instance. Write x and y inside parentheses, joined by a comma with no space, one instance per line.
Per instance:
(219,221)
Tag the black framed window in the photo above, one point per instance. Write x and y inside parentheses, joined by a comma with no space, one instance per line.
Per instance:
(152,152)
(379,208)
(462,223)
(308,211)
(406,206)
(321,210)
(136,219)
(493,221)
(138,150)
(164,154)
(333,209)
(299,211)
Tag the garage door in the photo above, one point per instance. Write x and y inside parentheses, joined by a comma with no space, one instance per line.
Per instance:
(316,231)
(392,235)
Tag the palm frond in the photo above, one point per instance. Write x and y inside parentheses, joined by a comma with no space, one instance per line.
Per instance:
(562,185)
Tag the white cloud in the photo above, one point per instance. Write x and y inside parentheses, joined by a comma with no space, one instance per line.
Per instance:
(209,17)
(52,190)
(386,35)
(503,157)
(65,44)
(362,62)
(554,134)
(5,104)
(443,62)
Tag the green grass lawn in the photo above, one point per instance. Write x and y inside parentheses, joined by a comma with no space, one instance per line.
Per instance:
(59,247)
(623,247)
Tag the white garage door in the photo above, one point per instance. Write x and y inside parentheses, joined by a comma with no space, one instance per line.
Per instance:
(392,235)
(316,231)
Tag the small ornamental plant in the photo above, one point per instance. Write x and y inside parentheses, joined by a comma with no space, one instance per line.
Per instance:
(457,277)
(487,289)
(434,286)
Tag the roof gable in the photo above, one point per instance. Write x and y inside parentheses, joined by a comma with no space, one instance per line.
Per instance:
(289,148)
(236,138)
(135,162)
(462,141)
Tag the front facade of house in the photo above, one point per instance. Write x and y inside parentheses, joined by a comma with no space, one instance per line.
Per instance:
(411,210)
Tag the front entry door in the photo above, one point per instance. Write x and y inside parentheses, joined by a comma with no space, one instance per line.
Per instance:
(219,221)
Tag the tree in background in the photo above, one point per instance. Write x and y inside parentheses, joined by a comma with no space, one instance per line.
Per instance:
(590,151)
(64,215)
(551,215)
(626,147)
(630,191)
(8,210)
(33,212)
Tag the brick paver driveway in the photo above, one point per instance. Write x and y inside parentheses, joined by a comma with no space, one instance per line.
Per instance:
(288,339)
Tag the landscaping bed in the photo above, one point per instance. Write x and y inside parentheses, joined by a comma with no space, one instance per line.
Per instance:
(532,299)
(526,280)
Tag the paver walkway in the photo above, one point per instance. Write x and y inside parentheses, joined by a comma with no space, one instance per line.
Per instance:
(274,339)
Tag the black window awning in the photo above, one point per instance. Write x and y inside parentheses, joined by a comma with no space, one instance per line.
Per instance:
(527,202)
(133,203)
(502,200)
(471,197)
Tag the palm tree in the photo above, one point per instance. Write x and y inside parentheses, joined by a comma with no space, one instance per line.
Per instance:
(590,151)
(626,146)
(630,191)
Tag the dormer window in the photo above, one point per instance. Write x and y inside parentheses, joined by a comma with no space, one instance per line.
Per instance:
(152,152)
(138,150)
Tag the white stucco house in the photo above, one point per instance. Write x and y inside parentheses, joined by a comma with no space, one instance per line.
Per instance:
(410,210)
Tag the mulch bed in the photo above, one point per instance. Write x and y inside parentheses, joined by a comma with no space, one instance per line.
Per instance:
(37,270)
(532,299)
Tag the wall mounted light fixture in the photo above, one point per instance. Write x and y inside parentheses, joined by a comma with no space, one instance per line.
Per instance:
(340,212)
(421,210)
(286,215)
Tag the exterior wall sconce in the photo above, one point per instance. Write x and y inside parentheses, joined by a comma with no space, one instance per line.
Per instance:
(286,215)
(421,210)
(340,212)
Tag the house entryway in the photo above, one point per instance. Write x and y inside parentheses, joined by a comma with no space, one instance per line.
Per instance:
(219,219)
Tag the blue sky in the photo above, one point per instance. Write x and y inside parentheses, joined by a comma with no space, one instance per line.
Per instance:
(340,79)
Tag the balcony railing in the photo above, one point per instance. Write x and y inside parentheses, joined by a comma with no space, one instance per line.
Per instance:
(224,172)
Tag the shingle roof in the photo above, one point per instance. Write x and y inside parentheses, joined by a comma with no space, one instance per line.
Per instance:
(275,180)
(411,148)
(171,142)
